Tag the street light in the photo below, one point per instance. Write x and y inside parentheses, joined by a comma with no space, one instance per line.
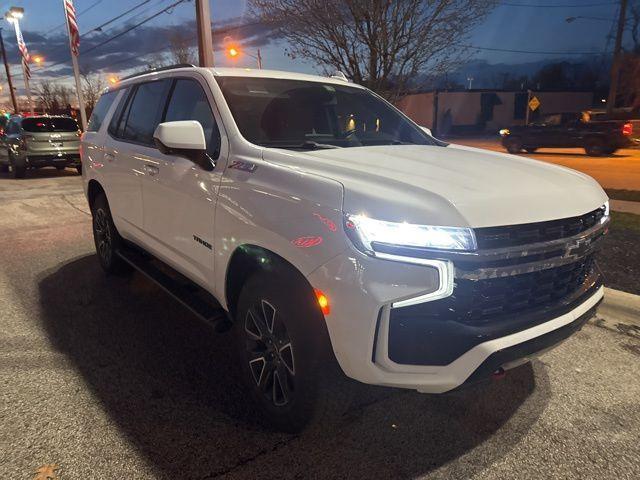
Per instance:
(113,80)
(38,59)
(234,52)
(13,16)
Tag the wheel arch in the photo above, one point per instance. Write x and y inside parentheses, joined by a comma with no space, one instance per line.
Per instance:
(248,259)
(94,188)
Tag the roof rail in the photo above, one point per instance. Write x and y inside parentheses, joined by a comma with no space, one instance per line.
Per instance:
(159,69)
(338,75)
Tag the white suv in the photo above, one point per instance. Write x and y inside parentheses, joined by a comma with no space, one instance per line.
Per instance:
(325,225)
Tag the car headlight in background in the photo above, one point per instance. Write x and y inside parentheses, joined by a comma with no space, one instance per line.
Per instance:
(504,132)
(366,232)
(605,207)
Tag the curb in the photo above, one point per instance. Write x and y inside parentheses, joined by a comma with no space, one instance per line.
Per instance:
(621,305)
(625,206)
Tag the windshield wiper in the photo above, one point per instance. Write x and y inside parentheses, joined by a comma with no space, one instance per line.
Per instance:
(306,145)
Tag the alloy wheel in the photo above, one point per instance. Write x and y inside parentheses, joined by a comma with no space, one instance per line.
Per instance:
(103,235)
(270,354)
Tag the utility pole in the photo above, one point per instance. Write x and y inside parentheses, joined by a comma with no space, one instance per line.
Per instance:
(9,81)
(526,118)
(205,40)
(259,59)
(615,66)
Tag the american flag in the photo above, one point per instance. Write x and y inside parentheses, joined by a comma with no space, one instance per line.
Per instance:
(74,34)
(26,58)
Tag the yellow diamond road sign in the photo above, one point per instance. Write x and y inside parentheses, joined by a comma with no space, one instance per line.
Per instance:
(534,103)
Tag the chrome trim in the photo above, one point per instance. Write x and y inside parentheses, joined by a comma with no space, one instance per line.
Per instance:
(572,248)
(445,276)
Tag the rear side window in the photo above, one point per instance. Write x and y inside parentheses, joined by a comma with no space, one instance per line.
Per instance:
(100,110)
(189,102)
(144,112)
(36,125)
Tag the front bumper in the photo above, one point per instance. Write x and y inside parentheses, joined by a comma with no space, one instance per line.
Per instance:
(449,348)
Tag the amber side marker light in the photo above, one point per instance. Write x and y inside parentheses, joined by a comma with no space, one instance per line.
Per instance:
(323,301)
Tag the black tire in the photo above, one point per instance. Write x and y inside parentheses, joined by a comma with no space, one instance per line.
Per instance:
(106,237)
(4,168)
(19,171)
(595,147)
(513,145)
(79,169)
(289,370)
(530,149)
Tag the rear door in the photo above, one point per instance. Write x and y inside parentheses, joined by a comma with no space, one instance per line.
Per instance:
(179,196)
(128,148)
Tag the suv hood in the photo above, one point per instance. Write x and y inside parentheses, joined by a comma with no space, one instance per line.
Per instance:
(449,186)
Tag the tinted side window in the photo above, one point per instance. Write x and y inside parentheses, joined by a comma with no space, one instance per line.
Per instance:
(117,118)
(145,111)
(189,102)
(100,111)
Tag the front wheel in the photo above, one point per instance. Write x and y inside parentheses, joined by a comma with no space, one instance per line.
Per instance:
(282,345)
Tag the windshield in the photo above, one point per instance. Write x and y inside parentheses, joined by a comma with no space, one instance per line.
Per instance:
(308,115)
(49,124)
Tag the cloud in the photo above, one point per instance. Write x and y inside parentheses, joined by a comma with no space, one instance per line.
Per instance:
(131,50)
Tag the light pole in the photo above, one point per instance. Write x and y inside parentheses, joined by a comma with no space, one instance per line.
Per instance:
(205,38)
(13,16)
(9,81)
(234,52)
(615,66)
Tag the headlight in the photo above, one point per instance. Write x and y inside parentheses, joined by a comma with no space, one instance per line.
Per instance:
(504,131)
(367,232)
(605,207)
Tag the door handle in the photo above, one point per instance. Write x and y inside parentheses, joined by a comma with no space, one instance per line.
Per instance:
(151,169)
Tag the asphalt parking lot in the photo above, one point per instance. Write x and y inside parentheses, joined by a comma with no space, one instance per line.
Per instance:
(109,378)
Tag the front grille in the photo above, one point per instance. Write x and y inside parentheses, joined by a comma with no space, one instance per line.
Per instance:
(528,233)
(438,332)
(475,302)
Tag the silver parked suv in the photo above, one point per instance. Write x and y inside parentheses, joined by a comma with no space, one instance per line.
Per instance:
(40,141)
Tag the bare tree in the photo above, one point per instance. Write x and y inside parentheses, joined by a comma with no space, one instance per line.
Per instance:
(383,44)
(92,89)
(46,96)
(182,49)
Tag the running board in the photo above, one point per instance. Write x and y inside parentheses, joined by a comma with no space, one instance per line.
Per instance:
(200,302)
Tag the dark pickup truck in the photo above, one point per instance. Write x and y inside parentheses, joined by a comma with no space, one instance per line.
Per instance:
(572,130)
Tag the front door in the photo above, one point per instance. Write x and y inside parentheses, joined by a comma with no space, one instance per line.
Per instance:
(179,197)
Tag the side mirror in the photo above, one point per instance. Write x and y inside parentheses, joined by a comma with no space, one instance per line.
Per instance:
(184,138)
(427,131)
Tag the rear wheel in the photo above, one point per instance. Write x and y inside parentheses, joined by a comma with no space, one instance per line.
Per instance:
(284,354)
(595,147)
(18,171)
(106,238)
(513,145)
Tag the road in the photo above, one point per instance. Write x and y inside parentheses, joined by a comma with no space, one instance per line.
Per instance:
(619,171)
(110,378)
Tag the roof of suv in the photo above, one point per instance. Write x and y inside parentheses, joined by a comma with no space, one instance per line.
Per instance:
(246,72)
